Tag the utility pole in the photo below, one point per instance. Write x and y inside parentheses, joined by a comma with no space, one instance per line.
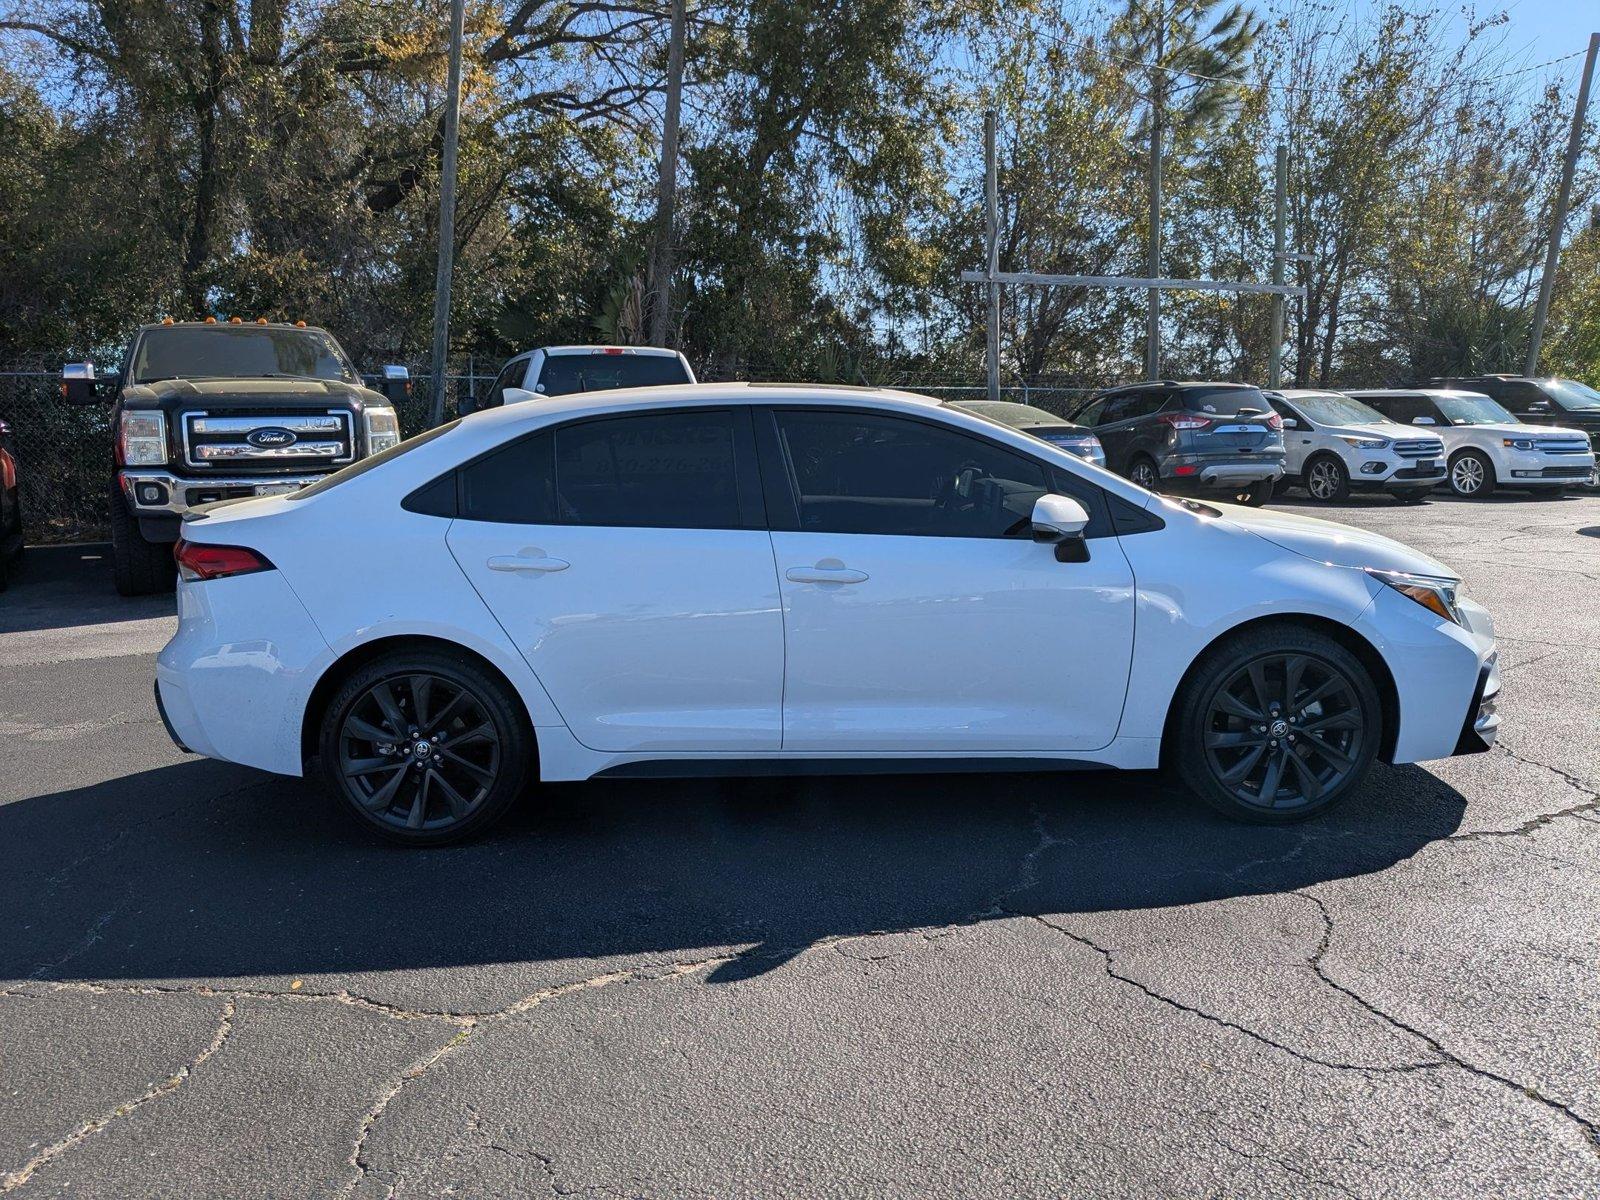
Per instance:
(1152,327)
(447,216)
(1280,251)
(667,185)
(1558,219)
(991,225)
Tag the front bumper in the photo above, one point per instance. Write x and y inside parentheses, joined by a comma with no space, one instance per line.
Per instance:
(1482,726)
(158,493)
(1534,469)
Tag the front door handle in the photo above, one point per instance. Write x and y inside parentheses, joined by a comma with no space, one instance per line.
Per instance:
(824,574)
(531,563)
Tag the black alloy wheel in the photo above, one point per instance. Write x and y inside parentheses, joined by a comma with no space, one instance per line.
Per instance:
(1144,473)
(424,749)
(1277,732)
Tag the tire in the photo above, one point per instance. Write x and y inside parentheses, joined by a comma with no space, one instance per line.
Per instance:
(1471,475)
(1256,494)
(1226,756)
(451,795)
(1144,472)
(1327,480)
(1414,496)
(138,567)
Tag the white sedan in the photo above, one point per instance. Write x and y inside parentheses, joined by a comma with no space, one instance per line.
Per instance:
(744,579)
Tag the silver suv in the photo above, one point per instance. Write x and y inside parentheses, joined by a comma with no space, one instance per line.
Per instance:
(1334,445)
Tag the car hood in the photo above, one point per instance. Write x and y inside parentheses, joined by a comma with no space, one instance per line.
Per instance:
(1386,430)
(252,392)
(1332,543)
(1513,429)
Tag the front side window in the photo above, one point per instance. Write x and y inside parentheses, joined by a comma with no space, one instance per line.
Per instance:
(510,376)
(1092,413)
(1474,410)
(864,473)
(239,352)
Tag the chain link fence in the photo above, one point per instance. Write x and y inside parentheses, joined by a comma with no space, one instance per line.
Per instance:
(64,453)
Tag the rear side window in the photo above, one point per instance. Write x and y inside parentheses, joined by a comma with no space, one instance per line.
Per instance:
(675,470)
(564,374)
(864,473)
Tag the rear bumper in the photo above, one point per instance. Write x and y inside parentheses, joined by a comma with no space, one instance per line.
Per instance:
(1202,472)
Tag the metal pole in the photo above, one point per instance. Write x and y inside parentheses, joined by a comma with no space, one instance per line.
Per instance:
(447,216)
(991,221)
(667,185)
(1558,218)
(1152,326)
(1280,229)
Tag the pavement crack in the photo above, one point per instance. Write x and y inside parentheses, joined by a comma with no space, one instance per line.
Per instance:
(1589,1130)
(1109,960)
(1533,824)
(16,1178)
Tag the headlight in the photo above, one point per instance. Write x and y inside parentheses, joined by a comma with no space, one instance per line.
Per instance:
(1435,594)
(1517,443)
(383,428)
(1361,443)
(142,439)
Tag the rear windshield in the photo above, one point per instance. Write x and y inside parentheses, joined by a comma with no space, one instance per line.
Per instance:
(346,474)
(1018,416)
(564,374)
(1224,402)
(239,352)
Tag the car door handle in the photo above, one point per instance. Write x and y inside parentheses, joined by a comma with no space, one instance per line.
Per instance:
(821,574)
(531,563)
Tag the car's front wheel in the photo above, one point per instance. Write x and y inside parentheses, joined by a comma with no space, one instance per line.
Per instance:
(1327,480)
(1471,474)
(424,747)
(1276,724)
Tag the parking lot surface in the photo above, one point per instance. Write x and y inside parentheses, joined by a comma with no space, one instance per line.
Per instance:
(212,984)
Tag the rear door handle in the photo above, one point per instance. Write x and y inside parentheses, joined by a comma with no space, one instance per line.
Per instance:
(820,574)
(532,564)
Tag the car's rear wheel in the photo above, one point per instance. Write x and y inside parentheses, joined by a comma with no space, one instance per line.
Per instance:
(1276,725)
(425,748)
(1144,472)
(1256,494)
(1327,480)
(1471,475)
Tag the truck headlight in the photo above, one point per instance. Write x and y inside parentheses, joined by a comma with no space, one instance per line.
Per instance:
(142,439)
(1436,594)
(1361,443)
(383,429)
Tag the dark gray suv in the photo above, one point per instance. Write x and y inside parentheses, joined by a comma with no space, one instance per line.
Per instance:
(1218,438)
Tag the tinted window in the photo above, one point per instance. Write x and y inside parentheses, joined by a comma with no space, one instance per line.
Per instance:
(516,483)
(238,351)
(510,376)
(671,469)
(861,473)
(1516,394)
(1120,407)
(1224,402)
(564,374)
(1091,413)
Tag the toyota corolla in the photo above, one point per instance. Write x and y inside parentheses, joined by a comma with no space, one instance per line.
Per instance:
(739,579)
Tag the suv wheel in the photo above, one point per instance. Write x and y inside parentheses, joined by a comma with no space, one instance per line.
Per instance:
(1255,495)
(1143,471)
(1471,474)
(1327,480)
(424,747)
(1276,725)
(138,567)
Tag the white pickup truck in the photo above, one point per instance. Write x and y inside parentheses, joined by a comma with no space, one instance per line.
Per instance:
(562,370)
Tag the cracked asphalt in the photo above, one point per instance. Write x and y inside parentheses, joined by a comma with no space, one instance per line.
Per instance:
(1081,985)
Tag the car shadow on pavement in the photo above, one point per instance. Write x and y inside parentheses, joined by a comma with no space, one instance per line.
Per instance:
(204,870)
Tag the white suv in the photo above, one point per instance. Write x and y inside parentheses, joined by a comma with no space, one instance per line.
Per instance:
(563,370)
(1487,446)
(1334,445)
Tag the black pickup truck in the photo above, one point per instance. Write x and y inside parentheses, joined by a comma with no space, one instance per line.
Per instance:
(209,410)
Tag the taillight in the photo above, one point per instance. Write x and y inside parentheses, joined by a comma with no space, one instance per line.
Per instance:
(199,560)
(1185,420)
(1274,422)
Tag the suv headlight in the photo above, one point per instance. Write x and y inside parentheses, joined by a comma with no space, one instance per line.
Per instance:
(1364,443)
(1517,443)
(383,428)
(1436,594)
(142,439)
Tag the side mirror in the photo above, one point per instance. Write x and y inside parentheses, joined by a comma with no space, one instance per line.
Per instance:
(396,385)
(1061,520)
(1290,423)
(1423,421)
(466,404)
(77,384)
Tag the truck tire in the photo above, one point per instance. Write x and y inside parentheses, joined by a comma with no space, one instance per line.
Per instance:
(139,567)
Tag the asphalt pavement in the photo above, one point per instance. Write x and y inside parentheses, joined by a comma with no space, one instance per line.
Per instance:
(211,984)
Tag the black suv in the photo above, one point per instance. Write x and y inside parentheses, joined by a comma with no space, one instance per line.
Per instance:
(207,411)
(1220,438)
(1564,402)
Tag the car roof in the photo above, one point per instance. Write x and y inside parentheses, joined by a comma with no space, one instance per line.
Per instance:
(639,351)
(1425,393)
(242,324)
(1298,393)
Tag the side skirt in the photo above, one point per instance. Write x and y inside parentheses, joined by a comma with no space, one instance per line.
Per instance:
(703,768)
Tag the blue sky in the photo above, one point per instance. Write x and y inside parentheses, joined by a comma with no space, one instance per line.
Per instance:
(1535,31)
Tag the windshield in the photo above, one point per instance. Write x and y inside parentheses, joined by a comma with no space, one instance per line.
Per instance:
(238,352)
(564,374)
(1018,416)
(1224,402)
(1329,408)
(1572,395)
(1473,410)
